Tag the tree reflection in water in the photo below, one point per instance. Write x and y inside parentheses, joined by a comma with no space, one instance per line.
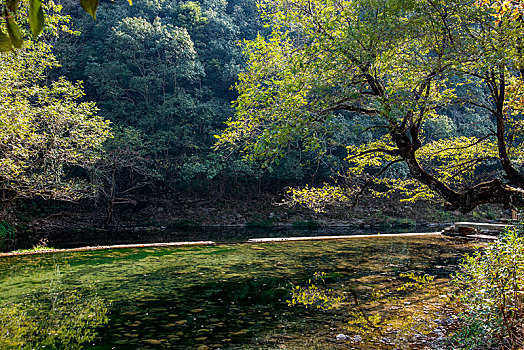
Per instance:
(403,312)
(54,319)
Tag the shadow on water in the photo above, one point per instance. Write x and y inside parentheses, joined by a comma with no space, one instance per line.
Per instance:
(226,296)
(79,238)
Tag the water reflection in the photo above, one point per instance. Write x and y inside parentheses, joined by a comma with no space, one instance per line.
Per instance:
(227,296)
(80,238)
(56,318)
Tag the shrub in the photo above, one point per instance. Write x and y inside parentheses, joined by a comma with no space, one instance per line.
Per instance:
(491,285)
(7,234)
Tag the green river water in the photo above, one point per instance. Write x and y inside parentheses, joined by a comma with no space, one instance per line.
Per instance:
(230,296)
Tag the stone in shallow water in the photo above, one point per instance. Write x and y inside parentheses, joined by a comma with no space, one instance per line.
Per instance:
(158,309)
(241,332)
(341,337)
(130,313)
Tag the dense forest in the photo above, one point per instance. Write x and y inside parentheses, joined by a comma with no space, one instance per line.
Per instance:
(159,83)
(164,74)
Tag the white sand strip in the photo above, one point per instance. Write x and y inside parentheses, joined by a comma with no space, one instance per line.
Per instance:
(317,238)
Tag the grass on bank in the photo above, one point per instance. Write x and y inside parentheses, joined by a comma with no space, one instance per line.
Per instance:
(41,246)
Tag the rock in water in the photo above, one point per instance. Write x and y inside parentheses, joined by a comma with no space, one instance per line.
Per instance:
(342,337)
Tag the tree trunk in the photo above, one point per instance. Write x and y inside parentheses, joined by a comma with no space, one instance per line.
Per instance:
(493,192)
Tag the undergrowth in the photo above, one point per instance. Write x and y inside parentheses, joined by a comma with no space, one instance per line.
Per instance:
(491,294)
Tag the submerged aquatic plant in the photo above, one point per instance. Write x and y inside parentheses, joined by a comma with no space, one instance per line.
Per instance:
(381,314)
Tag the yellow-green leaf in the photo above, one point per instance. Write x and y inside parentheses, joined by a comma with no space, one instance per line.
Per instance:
(5,42)
(90,6)
(14,32)
(36,17)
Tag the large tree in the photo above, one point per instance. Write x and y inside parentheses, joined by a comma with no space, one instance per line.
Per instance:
(401,65)
(46,132)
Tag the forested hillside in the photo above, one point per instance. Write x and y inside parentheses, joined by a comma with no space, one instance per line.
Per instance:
(166,75)
(163,73)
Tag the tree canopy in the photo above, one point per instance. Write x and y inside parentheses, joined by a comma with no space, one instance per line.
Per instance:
(402,67)
(165,70)
(45,130)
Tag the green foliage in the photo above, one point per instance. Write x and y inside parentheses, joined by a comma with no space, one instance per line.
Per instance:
(40,247)
(165,69)
(35,17)
(390,66)
(38,16)
(490,286)
(317,198)
(124,167)
(90,6)
(142,77)
(7,234)
(45,129)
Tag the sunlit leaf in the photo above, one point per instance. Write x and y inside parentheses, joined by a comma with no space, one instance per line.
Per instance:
(5,43)
(90,6)
(14,32)
(36,17)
